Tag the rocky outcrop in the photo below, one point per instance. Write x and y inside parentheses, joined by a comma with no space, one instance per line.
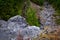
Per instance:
(30,32)
(16,26)
(16,23)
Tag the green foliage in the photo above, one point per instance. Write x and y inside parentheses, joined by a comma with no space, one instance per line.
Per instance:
(31,17)
(9,8)
(39,2)
(58,21)
(55,3)
(57,14)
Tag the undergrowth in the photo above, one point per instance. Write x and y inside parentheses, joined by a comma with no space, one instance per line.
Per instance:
(31,17)
(9,8)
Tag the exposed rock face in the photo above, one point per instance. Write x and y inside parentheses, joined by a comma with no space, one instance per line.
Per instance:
(3,24)
(30,32)
(3,30)
(9,30)
(18,20)
(16,23)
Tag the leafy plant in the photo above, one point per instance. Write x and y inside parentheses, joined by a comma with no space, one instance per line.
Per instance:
(9,8)
(31,17)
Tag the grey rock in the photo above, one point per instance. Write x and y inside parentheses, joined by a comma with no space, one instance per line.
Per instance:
(18,20)
(15,24)
(9,29)
(30,31)
(3,24)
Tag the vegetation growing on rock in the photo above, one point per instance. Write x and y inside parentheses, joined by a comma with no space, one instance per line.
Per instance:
(9,8)
(31,17)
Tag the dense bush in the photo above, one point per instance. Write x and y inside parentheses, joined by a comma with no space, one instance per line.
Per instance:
(9,8)
(31,17)
(55,3)
(39,2)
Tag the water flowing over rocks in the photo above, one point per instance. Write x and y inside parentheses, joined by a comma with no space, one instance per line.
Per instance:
(17,25)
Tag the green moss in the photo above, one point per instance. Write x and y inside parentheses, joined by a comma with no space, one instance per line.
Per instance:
(31,17)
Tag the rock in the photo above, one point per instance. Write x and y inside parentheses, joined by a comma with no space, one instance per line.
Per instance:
(18,20)
(30,32)
(3,35)
(4,31)
(3,25)
(10,29)
(15,24)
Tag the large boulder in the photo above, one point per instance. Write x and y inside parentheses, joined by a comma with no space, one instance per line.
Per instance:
(30,32)
(18,20)
(3,30)
(17,25)
(9,29)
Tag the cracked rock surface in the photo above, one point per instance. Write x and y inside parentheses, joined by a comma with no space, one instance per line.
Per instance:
(9,30)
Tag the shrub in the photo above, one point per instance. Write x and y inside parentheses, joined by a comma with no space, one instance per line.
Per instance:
(31,17)
(9,8)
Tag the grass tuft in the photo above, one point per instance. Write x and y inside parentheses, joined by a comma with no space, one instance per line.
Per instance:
(31,17)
